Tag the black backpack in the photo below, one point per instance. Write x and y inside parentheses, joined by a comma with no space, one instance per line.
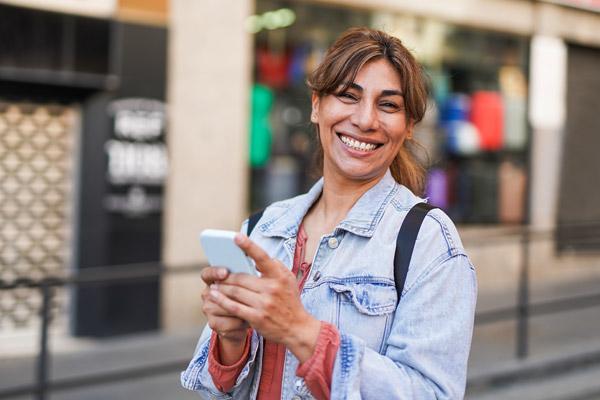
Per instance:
(405,243)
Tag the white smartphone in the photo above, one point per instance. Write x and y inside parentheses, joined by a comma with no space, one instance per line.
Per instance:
(221,251)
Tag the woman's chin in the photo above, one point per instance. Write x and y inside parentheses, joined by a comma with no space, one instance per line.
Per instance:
(356,172)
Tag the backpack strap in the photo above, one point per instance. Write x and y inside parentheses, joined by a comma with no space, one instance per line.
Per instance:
(253,220)
(405,243)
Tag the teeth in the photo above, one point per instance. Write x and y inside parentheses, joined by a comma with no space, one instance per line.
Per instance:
(356,145)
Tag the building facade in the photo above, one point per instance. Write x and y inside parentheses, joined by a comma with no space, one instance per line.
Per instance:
(83,159)
(129,126)
(511,98)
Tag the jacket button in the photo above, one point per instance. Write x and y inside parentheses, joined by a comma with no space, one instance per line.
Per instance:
(317,276)
(333,243)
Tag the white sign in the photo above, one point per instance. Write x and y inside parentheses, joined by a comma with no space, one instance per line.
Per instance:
(136,163)
(137,156)
(138,119)
(136,202)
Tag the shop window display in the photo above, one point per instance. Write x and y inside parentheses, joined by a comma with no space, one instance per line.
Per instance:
(281,136)
(480,146)
(475,133)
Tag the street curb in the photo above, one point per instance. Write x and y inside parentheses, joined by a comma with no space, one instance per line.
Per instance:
(532,369)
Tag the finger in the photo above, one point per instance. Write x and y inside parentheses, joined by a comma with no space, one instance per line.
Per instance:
(210,308)
(247,281)
(213,274)
(233,307)
(265,264)
(240,294)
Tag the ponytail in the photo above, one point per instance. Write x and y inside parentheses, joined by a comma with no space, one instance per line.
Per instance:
(408,171)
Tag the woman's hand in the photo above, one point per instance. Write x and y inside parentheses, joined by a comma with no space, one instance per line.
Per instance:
(232,331)
(271,304)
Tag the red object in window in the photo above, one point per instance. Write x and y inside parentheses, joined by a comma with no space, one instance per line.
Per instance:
(273,68)
(487,114)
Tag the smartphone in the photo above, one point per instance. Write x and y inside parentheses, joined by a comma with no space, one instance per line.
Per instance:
(221,251)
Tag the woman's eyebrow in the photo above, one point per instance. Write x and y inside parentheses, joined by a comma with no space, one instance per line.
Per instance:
(386,92)
(352,85)
(391,92)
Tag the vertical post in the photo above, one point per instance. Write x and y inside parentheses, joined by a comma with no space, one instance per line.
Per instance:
(68,43)
(523,300)
(42,364)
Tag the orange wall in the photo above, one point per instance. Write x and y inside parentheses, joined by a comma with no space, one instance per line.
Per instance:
(144,11)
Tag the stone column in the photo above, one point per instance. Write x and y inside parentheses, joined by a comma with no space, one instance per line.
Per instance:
(208,98)
(547,111)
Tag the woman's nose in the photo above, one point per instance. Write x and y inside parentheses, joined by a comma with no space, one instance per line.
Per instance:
(365,117)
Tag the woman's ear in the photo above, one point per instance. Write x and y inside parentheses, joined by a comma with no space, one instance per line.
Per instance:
(409,130)
(314,115)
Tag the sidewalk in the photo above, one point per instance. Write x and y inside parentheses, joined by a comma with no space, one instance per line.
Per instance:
(111,356)
(554,338)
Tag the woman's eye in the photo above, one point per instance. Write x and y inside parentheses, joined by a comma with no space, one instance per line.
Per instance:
(347,96)
(389,106)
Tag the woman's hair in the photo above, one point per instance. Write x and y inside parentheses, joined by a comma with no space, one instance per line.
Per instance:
(350,52)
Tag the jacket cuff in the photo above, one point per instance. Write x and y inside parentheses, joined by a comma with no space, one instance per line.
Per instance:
(317,371)
(225,376)
(345,383)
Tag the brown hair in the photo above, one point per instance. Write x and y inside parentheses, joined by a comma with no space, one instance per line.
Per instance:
(350,52)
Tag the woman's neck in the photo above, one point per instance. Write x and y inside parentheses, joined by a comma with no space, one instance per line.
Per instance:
(338,198)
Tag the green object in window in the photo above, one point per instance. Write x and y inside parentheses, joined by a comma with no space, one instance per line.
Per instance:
(260,126)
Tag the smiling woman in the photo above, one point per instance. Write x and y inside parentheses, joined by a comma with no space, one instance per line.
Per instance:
(332,315)
(357,48)
(362,125)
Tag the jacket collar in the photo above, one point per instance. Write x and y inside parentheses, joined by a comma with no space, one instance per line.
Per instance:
(362,219)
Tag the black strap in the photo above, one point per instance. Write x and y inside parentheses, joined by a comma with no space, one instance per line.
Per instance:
(405,243)
(253,220)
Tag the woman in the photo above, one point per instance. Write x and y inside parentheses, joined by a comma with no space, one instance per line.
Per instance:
(323,319)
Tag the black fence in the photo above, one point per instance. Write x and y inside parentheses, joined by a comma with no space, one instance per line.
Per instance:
(43,386)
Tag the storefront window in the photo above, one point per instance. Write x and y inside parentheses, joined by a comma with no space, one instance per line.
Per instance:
(475,132)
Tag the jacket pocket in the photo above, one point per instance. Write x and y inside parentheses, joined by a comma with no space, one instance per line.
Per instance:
(366,310)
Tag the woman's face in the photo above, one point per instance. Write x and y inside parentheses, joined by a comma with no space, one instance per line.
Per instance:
(362,128)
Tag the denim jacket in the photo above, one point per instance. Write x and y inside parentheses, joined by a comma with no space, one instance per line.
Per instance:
(416,350)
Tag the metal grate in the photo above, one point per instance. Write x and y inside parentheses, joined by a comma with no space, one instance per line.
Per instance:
(35,203)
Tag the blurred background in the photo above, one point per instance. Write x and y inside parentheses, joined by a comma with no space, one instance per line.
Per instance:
(128,126)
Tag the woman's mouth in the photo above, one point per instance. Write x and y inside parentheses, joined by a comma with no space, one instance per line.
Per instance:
(357,144)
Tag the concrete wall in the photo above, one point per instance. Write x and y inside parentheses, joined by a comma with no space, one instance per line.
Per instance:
(209,80)
(514,16)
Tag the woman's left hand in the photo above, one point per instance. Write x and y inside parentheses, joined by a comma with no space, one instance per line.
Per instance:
(271,304)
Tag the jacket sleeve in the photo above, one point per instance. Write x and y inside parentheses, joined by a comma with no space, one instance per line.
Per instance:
(197,377)
(225,376)
(428,345)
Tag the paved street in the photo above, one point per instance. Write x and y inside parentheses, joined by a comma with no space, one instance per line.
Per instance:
(554,337)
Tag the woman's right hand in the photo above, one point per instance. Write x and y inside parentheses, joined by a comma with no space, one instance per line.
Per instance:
(232,331)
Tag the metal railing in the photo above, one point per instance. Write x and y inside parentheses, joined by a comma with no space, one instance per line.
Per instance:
(89,276)
(42,386)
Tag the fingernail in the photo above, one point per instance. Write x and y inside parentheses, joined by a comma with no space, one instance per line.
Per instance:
(222,273)
(214,294)
(239,238)
(214,286)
